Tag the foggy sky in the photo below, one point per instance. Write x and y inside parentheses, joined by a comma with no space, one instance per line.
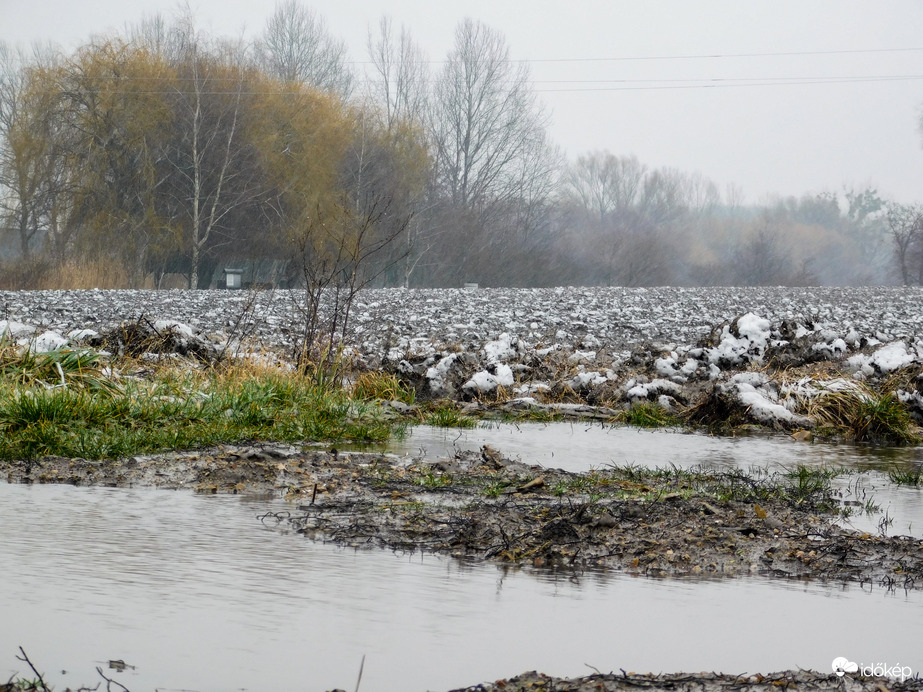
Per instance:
(699,86)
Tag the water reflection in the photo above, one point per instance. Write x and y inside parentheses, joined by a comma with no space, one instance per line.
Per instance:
(199,595)
(579,447)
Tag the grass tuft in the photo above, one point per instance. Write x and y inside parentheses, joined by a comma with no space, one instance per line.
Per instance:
(864,415)
(371,386)
(447,416)
(883,419)
(80,368)
(647,414)
(911,476)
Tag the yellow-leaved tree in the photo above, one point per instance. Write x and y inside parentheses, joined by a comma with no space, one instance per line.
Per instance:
(111,119)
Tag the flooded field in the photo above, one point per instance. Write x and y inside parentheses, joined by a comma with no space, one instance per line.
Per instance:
(197,594)
(580,447)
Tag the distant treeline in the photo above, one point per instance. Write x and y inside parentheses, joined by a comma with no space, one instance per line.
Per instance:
(165,152)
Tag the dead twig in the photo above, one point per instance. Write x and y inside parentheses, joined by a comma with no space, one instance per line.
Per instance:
(109,681)
(41,681)
(361,666)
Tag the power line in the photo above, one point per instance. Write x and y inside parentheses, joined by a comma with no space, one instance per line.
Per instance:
(741,82)
(700,56)
(612,85)
(704,56)
(696,56)
(683,80)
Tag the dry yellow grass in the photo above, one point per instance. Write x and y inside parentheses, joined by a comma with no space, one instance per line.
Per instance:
(77,273)
(86,274)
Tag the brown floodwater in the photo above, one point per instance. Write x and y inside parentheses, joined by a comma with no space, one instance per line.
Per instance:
(197,594)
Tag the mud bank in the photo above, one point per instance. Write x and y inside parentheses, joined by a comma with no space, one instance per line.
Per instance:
(483,506)
(804,681)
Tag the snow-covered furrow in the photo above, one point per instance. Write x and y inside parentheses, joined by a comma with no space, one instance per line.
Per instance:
(614,318)
(607,346)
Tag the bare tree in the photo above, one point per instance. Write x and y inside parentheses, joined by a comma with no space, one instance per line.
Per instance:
(906,227)
(734,198)
(338,253)
(485,119)
(662,199)
(623,214)
(493,165)
(603,183)
(700,195)
(761,260)
(400,84)
(151,33)
(297,47)
(210,174)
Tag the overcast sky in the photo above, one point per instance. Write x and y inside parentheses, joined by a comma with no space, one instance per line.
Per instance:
(778,97)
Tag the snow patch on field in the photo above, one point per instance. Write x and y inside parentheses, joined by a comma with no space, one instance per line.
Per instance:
(747,346)
(608,345)
(47,342)
(485,382)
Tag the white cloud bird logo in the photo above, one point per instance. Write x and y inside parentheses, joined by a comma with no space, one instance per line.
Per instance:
(841,666)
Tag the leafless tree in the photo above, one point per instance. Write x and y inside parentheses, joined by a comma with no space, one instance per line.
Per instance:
(339,252)
(624,214)
(700,195)
(210,176)
(603,183)
(399,85)
(662,200)
(398,89)
(761,259)
(152,32)
(905,223)
(734,198)
(297,47)
(493,165)
(485,119)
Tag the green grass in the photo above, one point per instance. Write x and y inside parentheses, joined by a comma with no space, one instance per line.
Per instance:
(911,476)
(802,486)
(864,415)
(883,420)
(76,369)
(93,418)
(448,416)
(431,479)
(647,414)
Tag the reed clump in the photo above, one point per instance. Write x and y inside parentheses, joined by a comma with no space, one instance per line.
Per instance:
(864,415)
